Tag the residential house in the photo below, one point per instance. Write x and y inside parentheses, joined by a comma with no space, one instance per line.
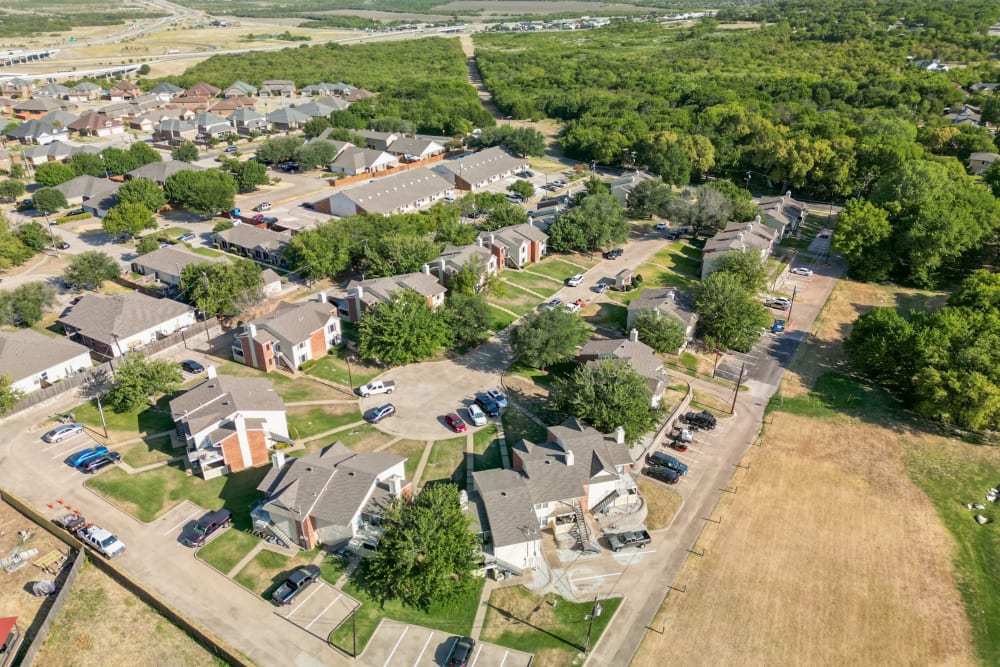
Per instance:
(272,283)
(33,360)
(54,151)
(52,89)
(101,201)
(332,103)
(147,121)
(286,119)
(552,486)
(341,88)
(329,497)
(16,87)
(737,236)
(474,172)
(166,264)
(319,89)
(289,336)
(665,302)
(84,91)
(92,124)
(174,131)
(782,214)
(35,108)
(39,131)
(378,141)
(211,126)
(352,161)
(229,424)
(7,106)
(240,89)
(279,87)
(124,91)
(399,193)
(314,109)
(116,110)
(980,163)
(231,104)
(167,91)
(621,187)
(144,103)
(966,115)
(357,95)
(79,189)
(640,357)
(984,87)
(522,244)
(413,149)
(121,323)
(159,172)
(247,121)
(454,258)
(201,89)
(363,294)
(191,103)
(262,245)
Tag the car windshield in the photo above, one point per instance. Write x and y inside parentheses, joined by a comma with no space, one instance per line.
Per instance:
(108,541)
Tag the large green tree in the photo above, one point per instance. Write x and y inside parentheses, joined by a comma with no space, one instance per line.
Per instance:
(396,254)
(138,378)
(316,153)
(598,221)
(49,200)
(608,393)
(33,235)
(87,164)
(50,174)
(185,152)
(203,192)
(547,336)
(26,304)
(89,269)
(9,396)
(11,189)
(862,237)
(649,197)
(729,315)
(141,191)
(661,332)
(523,141)
(746,265)
(700,208)
(468,317)
(128,218)
(401,330)
(278,149)
(223,288)
(881,347)
(428,551)
(321,252)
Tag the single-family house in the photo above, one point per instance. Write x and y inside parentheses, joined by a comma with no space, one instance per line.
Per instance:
(54,151)
(33,360)
(52,89)
(554,485)
(231,104)
(117,324)
(332,103)
(665,302)
(16,87)
(260,244)
(240,89)
(522,244)
(166,264)
(92,124)
(315,89)
(34,108)
(329,497)
(83,187)
(103,200)
(286,118)
(737,236)
(290,335)
(357,94)
(621,187)
(474,172)
(158,172)
(980,163)
(144,103)
(363,294)
(191,102)
(314,109)
(85,91)
(402,192)
(228,423)
(782,214)
(174,131)
(378,141)
(454,258)
(211,126)
(279,87)
(166,91)
(40,131)
(124,91)
(966,115)
(412,149)
(6,106)
(247,121)
(201,89)
(352,161)
(116,110)
(639,356)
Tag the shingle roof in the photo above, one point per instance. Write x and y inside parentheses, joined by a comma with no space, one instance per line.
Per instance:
(167,88)
(357,160)
(296,322)
(201,89)
(245,114)
(82,186)
(243,86)
(639,356)
(93,121)
(25,352)
(331,103)
(159,171)
(665,300)
(99,317)
(248,236)
(381,289)
(287,116)
(413,146)
(738,235)
(390,193)
(482,165)
(222,397)
(509,506)
(36,104)
(172,260)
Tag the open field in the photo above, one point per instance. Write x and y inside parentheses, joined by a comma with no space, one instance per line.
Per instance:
(104,625)
(829,554)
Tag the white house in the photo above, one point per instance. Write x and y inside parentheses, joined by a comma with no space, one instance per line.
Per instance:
(121,323)
(34,360)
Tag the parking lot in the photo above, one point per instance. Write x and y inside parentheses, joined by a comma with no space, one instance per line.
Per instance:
(320,610)
(399,644)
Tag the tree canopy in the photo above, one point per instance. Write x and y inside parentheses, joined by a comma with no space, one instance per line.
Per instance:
(401,330)
(729,315)
(608,393)
(89,269)
(597,222)
(138,378)
(141,191)
(203,192)
(186,152)
(49,200)
(128,218)
(26,304)
(547,336)
(223,288)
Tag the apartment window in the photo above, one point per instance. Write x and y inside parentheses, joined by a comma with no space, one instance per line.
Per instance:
(300,346)
(332,328)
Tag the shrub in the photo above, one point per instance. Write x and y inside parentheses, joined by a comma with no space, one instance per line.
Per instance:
(306,365)
(71,218)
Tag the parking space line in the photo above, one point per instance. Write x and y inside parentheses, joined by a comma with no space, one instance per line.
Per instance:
(393,651)
(302,602)
(61,443)
(505,654)
(324,611)
(479,649)
(173,528)
(421,654)
(597,576)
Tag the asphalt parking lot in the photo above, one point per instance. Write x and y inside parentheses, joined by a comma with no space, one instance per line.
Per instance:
(320,610)
(399,644)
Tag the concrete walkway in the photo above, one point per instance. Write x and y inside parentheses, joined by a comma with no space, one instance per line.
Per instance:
(333,430)
(480,618)
(246,559)
(423,463)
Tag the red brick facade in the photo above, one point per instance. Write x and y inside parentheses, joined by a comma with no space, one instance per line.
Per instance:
(232,454)
(317,343)
(258,447)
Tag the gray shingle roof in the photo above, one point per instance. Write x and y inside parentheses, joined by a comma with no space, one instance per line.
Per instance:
(287,116)
(248,236)
(390,193)
(296,322)
(172,259)
(357,160)
(482,165)
(509,506)
(82,186)
(413,146)
(737,235)
(665,300)
(376,290)
(167,88)
(25,352)
(158,172)
(98,317)
(639,356)
(222,397)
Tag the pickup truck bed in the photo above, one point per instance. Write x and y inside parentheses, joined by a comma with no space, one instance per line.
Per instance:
(631,538)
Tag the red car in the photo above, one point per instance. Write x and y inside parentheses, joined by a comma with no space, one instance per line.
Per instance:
(455,422)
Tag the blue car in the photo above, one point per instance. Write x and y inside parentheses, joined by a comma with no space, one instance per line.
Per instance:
(664,460)
(84,455)
(498,398)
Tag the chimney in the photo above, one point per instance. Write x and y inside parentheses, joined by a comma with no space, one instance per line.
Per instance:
(395,485)
(491,239)
(322,297)
(570,458)
(251,330)
(633,336)
(425,269)
(620,435)
(479,241)
(278,460)
(788,194)
(741,237)
(441,267)
(210,372)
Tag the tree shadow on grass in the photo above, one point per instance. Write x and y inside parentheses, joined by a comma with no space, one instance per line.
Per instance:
(510,617)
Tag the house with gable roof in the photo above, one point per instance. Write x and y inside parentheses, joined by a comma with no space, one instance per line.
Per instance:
(280,87)
(166,91)
(123,91)
(640,357)
(665,302)
(737,236)
(247,120)
(522,244)
(52,89)
(332,103)
(454,258)
(84,91)
(290,335)
(782,214)
(331,496)
(174,131)
(240,88)
(34,360)
(229,423)
(166,264)
(113,325)
(363,294)
(263,245)
(352,161)
(159,172)
(474,172)
(202,89)
(95,125)
(286,118)
(402,192)
(980,163)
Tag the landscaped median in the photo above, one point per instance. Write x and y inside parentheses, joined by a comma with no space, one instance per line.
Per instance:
(228,549)
(268,569)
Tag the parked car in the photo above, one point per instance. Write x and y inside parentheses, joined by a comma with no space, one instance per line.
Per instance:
(575,281)
(295,584)
(455,422)
(266,219)
(488,405)
(207,526)
(377,387)
(192,366)
(673,236)
(63,245)
(660,226)
(85,455)
(476,415)
(602,287)
(553,304)
(802,271)
(263,206)
(461,652)
(514,198)
(576,306)
(498,397)
(72,522)
(99,462)
(778,302)
(703,419)
(377,414)
(308,205)
(665,460)
(662,474)
(231,149)
(613,254)
(103,541)
(524,174)
(189,236)
(778,326)
(630,538)
(59,433)
(824,234)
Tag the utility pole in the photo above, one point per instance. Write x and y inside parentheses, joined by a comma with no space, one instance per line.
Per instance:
(736,391)
(594,612)
(795,291)
(104,424)
(354,630)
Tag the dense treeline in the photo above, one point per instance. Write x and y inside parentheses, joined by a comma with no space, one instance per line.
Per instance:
(18,24)
(422,81)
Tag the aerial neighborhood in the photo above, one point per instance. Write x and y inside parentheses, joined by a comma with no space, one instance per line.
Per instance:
(501,341)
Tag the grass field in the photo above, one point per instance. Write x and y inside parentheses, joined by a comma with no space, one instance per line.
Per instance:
(146,419)
(486,446)
(555,268)
(830,554)
(542,285)
(306,421)
(661,503)
(91,628)
(149,451)
(290,389)
(411,450)
(516,299)
(334,369)
(268,570)
(228,549)
(501,319)
(445,458)
(361,438)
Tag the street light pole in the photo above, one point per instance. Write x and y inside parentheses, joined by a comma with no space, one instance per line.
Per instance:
(100,410)
(736,391)
(52,236)
(594,612)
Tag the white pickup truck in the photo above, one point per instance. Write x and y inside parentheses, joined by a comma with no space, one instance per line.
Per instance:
(103,541)
(377,387)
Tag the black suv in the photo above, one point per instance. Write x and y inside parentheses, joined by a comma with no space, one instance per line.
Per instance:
(705,420)
(613,254)
(102,461)
(663,474)
(207,526)
(489,406)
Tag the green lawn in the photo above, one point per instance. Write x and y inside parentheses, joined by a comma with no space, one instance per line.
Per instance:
(544,286)
(443,463)
(268,570)
(654,276)
(835,394)
(518,618)
(172,232)
(411,450)
(334,369)
(501,318)
(228,549)
(518,426)
(487,448)
(609,315)
(555,268)
(516,299)
(309,421)
(952,475)
(206,252)
(149,494)
(455,618)
(361,438)
(290,389)
(149,451)
(147,419)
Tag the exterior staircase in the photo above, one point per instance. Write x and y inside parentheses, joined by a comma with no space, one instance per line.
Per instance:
(580,529)
(283,538)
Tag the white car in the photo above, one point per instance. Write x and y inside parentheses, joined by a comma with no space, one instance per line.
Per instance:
(575,281)
(802,271)
(476,415)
